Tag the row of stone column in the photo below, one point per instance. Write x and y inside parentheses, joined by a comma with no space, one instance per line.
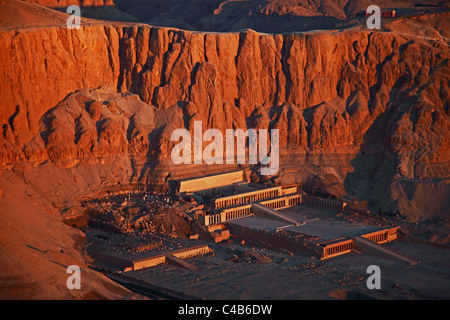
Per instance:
(238,213)
(324,203)
(294,201)
(212,219)
(244,199)
(198,253)
(339,248)
(276,204)
(378,237)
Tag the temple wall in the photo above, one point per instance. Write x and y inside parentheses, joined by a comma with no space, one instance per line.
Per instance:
(211,182)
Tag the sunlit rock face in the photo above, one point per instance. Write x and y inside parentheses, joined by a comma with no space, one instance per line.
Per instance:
(377,99)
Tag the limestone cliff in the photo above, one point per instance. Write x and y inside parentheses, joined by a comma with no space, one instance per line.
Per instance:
(355,92)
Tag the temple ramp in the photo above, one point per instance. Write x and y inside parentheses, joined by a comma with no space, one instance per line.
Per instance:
(181,263)
(367,246)
(266,212)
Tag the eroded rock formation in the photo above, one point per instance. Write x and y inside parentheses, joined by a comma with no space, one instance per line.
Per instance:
(352,92)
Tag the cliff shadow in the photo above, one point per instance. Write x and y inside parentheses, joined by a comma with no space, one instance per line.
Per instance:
(375,165)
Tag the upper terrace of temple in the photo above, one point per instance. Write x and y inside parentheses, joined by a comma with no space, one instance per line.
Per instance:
(247,197)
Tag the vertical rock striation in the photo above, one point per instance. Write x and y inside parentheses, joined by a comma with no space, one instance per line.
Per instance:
(346,92)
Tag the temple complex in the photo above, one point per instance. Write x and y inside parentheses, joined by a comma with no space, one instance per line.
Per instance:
(228,199)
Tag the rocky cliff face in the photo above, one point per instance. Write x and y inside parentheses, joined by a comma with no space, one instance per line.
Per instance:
(357,93)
